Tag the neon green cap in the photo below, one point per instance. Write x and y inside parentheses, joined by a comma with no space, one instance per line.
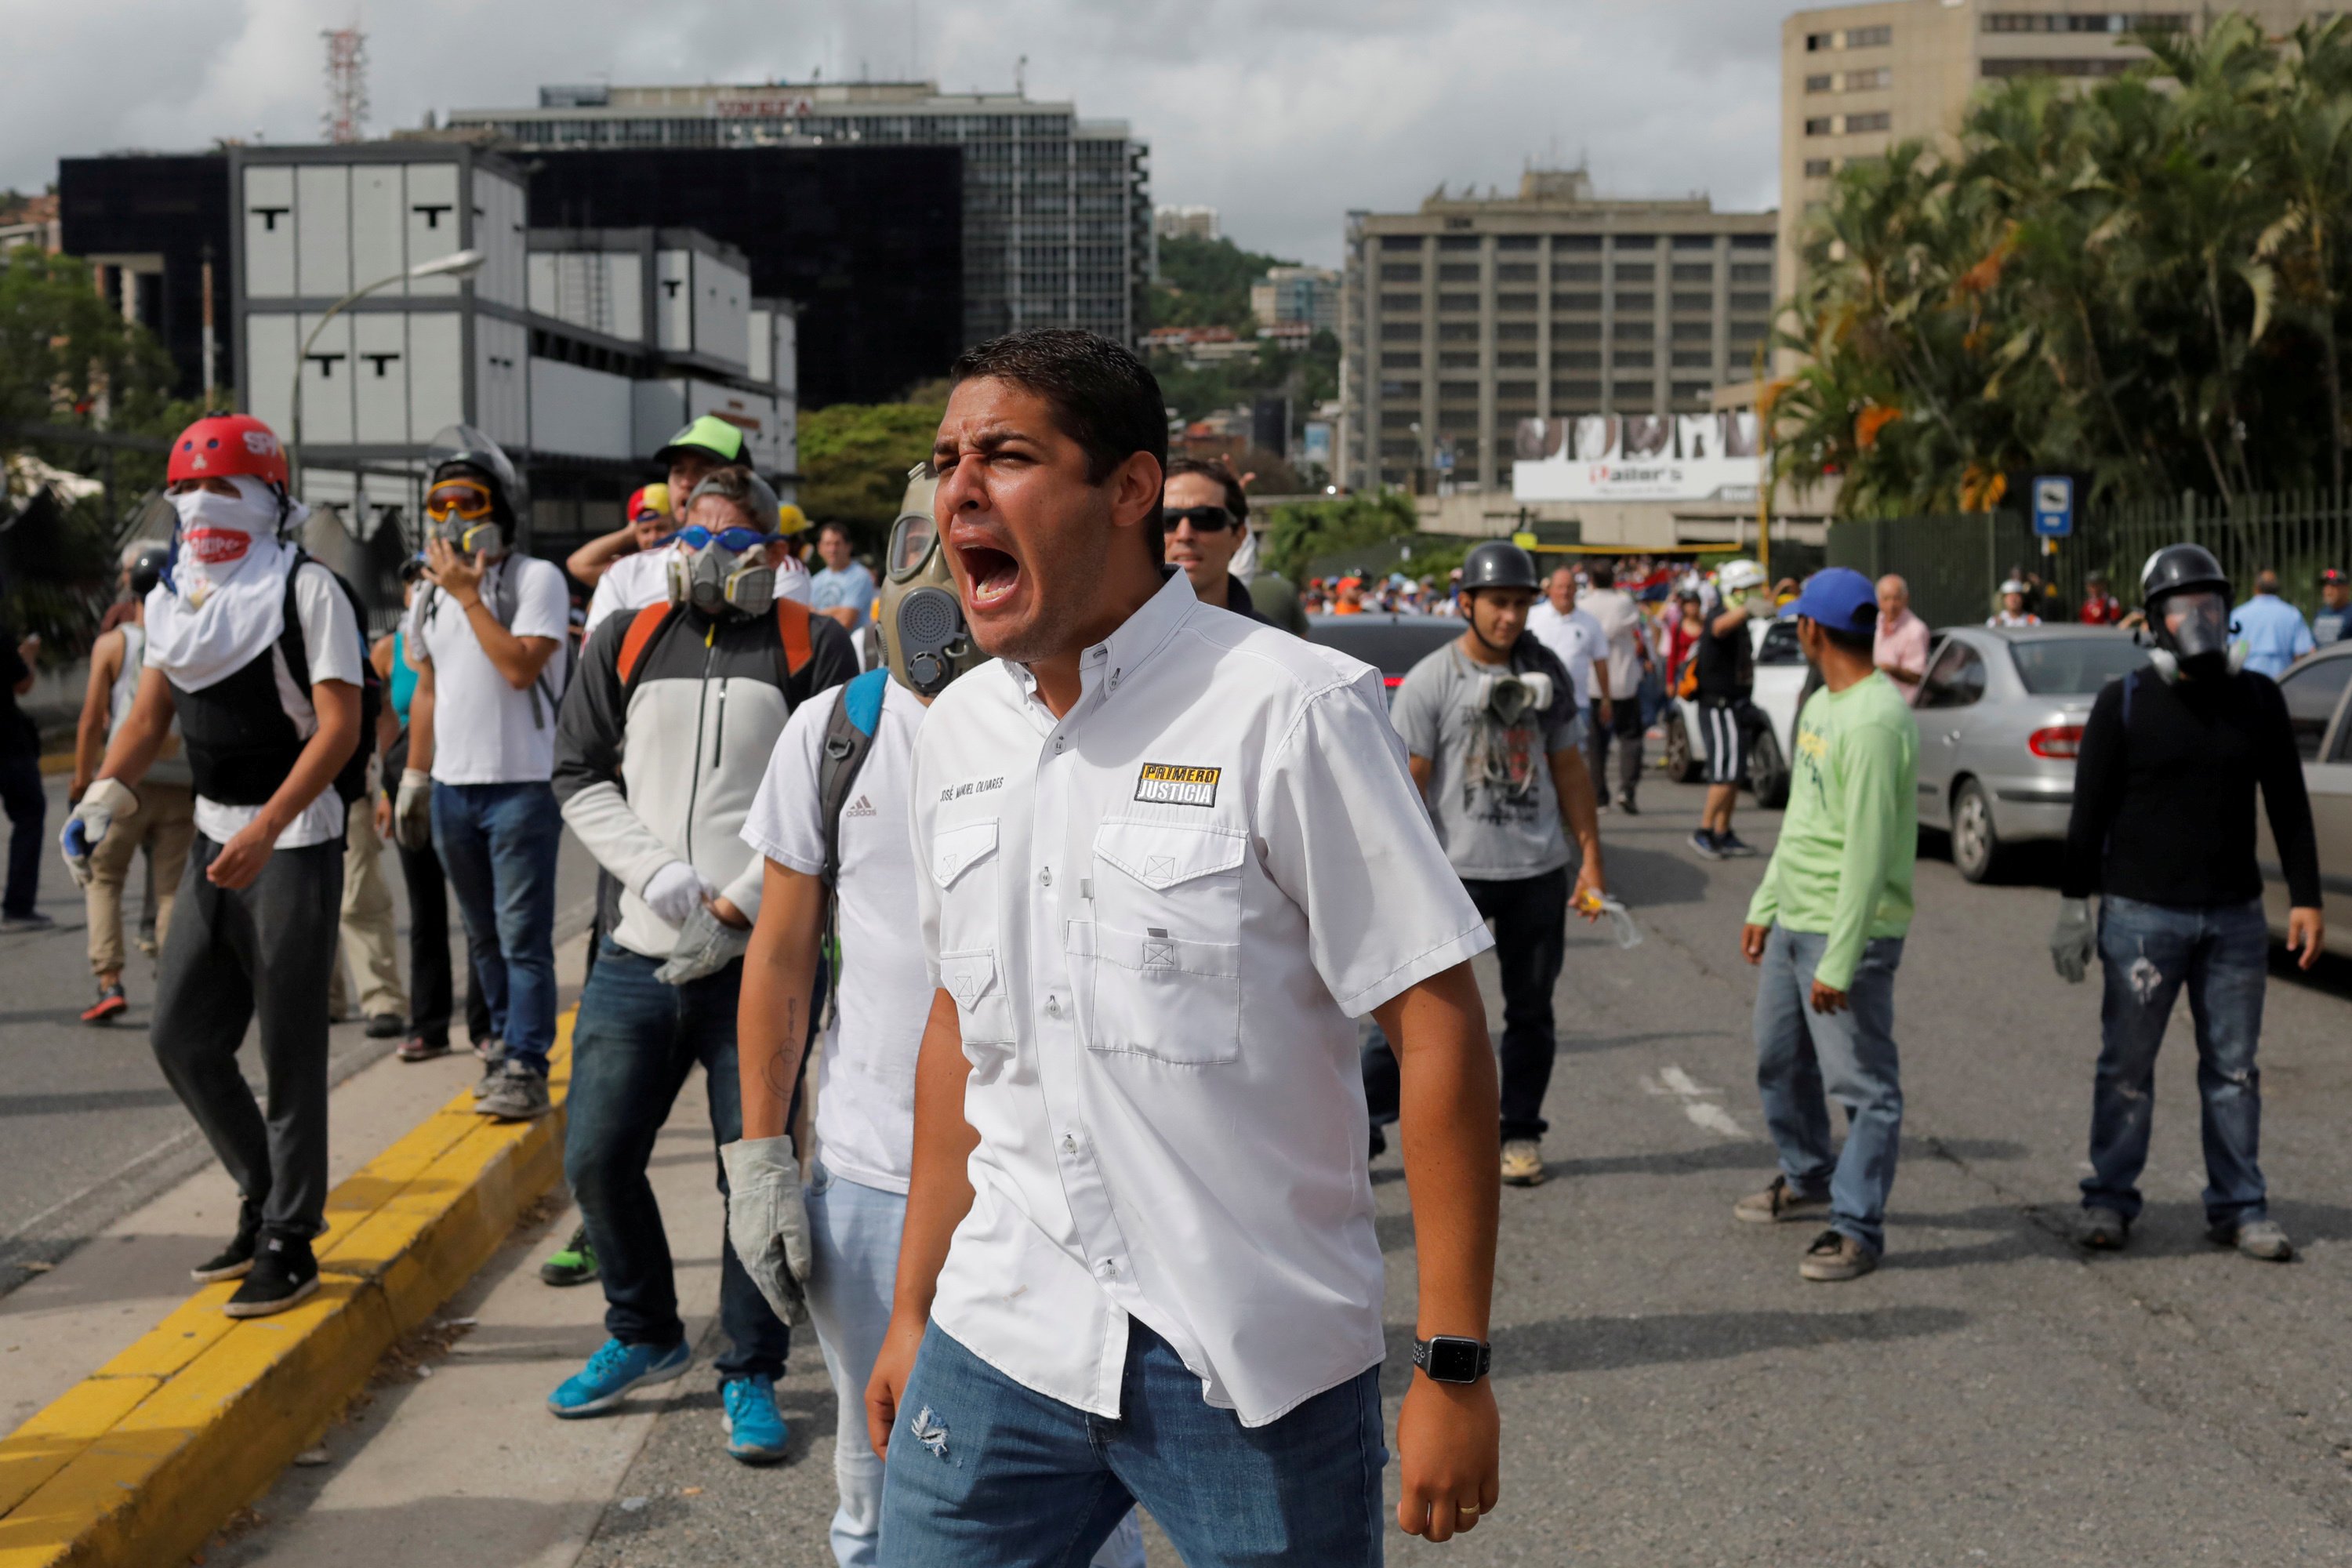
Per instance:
(708,434)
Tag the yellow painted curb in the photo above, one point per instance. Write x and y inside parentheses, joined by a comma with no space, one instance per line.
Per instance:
(138,1464)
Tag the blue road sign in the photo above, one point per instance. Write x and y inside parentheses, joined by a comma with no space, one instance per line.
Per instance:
(2054,506)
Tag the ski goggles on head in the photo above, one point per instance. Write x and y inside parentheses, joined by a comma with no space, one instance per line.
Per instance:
(468,501)
(1204,519)
(697,537)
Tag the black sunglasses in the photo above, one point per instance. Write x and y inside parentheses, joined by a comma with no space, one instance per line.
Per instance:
(1204,519)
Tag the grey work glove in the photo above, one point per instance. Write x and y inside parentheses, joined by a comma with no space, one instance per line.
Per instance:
(767,1222)
(91,821)
(2073,939)
(706,946)
(412,810)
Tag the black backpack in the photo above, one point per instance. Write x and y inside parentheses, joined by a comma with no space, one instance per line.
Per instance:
(350,784)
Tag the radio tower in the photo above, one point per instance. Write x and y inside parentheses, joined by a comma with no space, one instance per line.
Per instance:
(347,101)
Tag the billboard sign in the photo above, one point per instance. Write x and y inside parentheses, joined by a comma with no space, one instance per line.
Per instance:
(1607,458)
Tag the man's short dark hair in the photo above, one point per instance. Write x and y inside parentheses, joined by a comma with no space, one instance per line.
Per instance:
(1604,575)
(834,525)
(1217,469)
(1103,398)
(1861,644)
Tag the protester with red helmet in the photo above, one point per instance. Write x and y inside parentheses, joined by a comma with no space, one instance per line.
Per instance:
(258,652)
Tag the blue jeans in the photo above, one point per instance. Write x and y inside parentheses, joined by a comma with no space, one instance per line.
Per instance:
(632,1047)
(985,1473)
(2148,952)
(1805,1058)
(497,844)
(854,1241)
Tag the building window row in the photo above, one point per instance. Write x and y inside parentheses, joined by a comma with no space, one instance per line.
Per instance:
(1850,38)
(2101,66)
(2086,22)
(1876,78)
(1850,124)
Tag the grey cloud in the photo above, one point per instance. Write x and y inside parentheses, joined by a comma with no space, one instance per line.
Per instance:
(1283,113)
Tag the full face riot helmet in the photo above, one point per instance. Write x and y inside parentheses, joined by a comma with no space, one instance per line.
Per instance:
(917,615)
(2186,598)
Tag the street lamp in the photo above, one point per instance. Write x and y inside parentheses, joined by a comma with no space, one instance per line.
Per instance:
(458,264)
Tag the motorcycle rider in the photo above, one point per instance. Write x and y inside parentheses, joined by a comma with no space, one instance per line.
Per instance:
(2163,829)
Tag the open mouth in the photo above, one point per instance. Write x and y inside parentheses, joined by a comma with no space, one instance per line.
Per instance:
(994,574)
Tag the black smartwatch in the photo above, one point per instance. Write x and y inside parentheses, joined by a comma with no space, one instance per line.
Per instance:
(1450,1357)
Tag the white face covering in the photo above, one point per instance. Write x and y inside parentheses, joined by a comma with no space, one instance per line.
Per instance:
(226,601)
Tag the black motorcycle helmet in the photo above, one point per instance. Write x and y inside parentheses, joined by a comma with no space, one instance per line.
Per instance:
(148,570)
(2177,568)
(1497,563)
(2200,642)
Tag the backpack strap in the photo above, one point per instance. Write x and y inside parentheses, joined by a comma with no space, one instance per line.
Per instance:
(638,637)
(849,738)
(792,624)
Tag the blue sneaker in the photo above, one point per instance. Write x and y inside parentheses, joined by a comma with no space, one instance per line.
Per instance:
(612,1372)
(756,1432)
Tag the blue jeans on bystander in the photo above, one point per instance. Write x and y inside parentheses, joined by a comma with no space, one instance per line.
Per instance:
(635,1042)
(497,844)
(2148,952)
(1804,1059)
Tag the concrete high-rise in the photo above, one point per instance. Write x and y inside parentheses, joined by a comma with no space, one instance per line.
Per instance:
(1460,319)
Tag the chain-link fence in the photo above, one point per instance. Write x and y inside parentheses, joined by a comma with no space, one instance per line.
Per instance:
(1956,564)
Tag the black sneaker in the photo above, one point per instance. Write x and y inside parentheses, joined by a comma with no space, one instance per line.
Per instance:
(1625,804)
(232,1262)
(1707,844)
(1731,845)
(283,1273)
(385,1025)
(31,921)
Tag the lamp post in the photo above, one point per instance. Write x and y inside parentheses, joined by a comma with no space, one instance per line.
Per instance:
(458,264)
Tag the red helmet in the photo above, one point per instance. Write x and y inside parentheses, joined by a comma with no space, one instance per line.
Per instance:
(222,445)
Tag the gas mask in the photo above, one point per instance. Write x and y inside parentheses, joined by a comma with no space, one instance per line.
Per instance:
(721,574)
(2191,632)
(475,494)
(919,616)
(1516,699)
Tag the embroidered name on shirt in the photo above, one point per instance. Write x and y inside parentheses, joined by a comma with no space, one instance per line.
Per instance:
(970,786)
(1172,784)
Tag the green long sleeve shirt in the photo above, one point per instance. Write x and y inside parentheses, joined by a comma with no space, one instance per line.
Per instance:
(1842,866)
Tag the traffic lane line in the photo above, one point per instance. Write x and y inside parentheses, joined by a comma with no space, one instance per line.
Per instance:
(141,1462)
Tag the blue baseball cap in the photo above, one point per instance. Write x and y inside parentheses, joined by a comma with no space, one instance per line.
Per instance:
(1839,598)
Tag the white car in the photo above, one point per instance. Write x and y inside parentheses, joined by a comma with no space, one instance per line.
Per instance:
(1781,671)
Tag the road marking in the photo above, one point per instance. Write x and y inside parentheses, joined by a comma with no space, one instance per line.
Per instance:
(1698,1101)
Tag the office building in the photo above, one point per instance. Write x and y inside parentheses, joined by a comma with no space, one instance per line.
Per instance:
(155,228)
(1856,80)
(1056,225)
(1186,223)
(1475,312)
(1301,295)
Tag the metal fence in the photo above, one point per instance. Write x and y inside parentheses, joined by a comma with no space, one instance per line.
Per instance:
(1955,565)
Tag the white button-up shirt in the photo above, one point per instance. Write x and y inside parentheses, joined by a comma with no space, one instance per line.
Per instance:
(1158,917)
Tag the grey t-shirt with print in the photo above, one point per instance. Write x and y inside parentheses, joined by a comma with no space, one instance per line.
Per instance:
(1490,789)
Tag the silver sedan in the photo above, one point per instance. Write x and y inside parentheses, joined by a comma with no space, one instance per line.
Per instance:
(2000,720)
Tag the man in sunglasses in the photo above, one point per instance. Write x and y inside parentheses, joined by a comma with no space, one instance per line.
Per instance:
(489,640)
(1205,517)
(663,744)
(636,579)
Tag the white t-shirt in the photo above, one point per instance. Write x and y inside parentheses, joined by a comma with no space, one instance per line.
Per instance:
(1620,620)
(483,730)
(866,1070)
(636,581)
(331,641)
(1575,637)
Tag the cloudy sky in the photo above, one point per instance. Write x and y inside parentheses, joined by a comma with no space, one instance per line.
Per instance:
(1283,113)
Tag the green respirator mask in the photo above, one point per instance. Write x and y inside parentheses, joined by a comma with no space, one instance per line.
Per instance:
(919,615)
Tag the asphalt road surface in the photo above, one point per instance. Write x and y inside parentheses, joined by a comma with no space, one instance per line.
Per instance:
(1674,1394)
(89,1130)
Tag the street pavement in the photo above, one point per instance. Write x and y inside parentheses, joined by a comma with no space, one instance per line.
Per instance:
(1672,1392)
(89,1130)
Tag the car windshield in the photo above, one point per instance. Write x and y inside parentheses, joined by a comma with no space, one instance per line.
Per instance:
(2074,667)
(1393,647)
(1779,644)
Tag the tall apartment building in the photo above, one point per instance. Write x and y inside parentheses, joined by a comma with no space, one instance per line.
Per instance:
(1307,296)
(1462,319)
(1056,209)
(1186,223)
(1854,80)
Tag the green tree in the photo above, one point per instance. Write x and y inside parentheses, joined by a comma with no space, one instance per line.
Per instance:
(1206,283)
(1299,532)
(854,462)
(2146,283)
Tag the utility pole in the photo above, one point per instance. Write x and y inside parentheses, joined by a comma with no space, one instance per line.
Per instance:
(210,350)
